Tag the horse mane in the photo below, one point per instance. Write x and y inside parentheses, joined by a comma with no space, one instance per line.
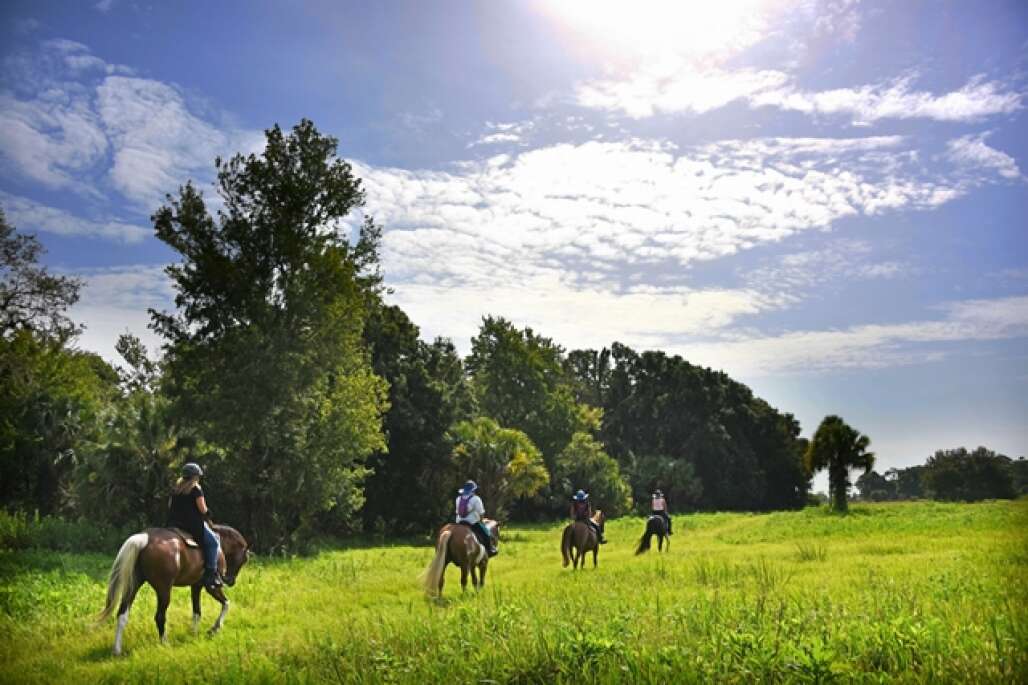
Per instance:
(222,529)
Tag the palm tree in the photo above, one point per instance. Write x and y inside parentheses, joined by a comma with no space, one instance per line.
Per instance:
(839,448)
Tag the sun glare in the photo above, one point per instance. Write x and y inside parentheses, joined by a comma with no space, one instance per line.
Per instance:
(646,27)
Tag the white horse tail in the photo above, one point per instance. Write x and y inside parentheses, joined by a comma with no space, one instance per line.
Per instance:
(123,572)
(436,569)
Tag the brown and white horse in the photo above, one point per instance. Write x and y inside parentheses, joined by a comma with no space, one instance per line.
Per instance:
(161,557)
(579,538)
(458,545)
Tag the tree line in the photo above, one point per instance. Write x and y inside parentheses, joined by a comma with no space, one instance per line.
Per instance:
(316,408)
(956,475)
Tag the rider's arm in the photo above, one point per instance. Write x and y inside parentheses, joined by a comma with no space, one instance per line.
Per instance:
(201,504)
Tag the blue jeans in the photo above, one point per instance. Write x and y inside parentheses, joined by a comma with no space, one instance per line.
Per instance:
(211,545)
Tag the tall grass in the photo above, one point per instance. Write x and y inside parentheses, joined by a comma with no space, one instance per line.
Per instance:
(907,592)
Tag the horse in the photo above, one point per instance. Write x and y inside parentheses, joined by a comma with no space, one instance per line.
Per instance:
(163,558)
(655,525)
(579,538)
(458,545)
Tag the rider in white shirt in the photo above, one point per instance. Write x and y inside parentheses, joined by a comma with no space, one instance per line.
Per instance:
(659,507)
(470,511)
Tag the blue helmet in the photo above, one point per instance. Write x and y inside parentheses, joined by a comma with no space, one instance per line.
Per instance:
(581,496)
(191,470)
(468,488)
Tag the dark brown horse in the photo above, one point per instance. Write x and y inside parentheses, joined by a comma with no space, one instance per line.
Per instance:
(458,545)
(579,538)
(162,558)
(655,525)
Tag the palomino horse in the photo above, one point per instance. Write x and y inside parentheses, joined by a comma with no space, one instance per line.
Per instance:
(458,545)
(161,557)
(655,525)
(579,538)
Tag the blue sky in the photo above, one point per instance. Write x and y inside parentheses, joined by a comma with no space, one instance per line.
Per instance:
(824,198)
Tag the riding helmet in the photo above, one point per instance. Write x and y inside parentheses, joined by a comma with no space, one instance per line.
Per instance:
(581,495)
(468,488)
(191,470)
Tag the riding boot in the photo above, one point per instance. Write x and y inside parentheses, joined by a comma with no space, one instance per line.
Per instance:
(211,578)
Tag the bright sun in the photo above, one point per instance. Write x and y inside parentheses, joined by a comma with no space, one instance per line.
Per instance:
(688,28)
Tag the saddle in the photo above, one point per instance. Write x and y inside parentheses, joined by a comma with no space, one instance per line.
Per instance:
(186,537)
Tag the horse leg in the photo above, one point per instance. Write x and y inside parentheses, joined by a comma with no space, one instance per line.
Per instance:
(474,576)
(463,578)
(163,600)
(218,594)
(196,590)
(481,574)
(596,550)
(123,612)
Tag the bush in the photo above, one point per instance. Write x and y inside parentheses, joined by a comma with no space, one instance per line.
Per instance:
(23,531)
(583,464)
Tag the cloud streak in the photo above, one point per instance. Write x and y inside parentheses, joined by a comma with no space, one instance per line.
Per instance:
(30,216)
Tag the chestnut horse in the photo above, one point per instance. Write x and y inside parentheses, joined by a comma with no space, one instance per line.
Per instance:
(162,558)
(458,545)
(655,525)
(579,538)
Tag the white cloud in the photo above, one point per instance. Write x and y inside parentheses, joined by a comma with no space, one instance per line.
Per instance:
(676,86)
(680,86)
(511,132)
(843,260)
(868,346)
(971,151)
(87,121)
(976,100)
(158,143)
(115,300)
(29,216)
(53,138)
(573,238)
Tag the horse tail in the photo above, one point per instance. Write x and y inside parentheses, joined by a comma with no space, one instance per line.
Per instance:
(565,544)
(436,569)
(644,542)
(123,572)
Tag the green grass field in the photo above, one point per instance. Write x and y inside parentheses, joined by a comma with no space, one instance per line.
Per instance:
(917,592)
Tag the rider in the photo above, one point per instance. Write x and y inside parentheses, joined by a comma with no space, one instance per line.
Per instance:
(581,510)
(188,511)
(659,507)
(470,511)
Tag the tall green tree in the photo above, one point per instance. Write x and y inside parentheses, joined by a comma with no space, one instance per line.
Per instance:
(839,448)
(736,451)
(51,396)
(962,475)
(519,381)
(583,464)
(264,354)
(411,487)
(503,461)
(31,298)
(124,476)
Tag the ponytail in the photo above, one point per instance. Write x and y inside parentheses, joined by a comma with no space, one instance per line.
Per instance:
(183,485)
